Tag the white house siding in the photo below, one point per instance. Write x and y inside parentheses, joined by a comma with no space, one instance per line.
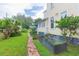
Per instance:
(71,8)
(43,29)
(56,13)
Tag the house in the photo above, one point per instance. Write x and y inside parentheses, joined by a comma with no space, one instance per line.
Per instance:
(54,12)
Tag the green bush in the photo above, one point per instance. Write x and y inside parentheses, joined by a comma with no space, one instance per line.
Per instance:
(1,30)
(34,33)
(1,36)
(35,37)
(10,28)
(13,34)
(24,30)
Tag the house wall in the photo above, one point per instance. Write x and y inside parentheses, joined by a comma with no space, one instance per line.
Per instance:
(71,8)
(44,28)
(56,13)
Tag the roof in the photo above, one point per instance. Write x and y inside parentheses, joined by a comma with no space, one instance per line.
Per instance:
(45,11)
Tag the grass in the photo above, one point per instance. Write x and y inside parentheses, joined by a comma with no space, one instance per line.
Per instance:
(71,50)
(14,46)
(43,51)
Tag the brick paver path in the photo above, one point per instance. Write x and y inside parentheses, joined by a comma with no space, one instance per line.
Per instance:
(32,51)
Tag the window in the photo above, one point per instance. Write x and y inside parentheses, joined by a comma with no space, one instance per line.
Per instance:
(43,24)
(38,25)
(52,22)
(63,14)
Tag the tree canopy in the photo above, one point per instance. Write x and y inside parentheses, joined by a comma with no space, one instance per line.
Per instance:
(26,22)
(69,25)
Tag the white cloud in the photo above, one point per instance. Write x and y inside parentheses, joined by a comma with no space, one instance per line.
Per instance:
(14,8)
(26,1)
(40,14)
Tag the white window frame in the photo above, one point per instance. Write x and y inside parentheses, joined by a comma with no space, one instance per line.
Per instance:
(63,14)
(52,18)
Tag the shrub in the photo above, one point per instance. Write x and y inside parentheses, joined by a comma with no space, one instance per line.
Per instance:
(24,30)
(35,37)
(34,33)
(13,34)
(1,36)
(10,28)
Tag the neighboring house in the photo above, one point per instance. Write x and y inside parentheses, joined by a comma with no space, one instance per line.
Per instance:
(54,12)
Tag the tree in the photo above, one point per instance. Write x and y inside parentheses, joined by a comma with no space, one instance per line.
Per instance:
(15,28)
(33,28)
(26,22)
(73,25)
(8,27)
(68,25)
(0,25)
(37,21)
(63,24)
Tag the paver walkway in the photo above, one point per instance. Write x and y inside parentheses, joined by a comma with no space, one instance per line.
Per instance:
(32,51)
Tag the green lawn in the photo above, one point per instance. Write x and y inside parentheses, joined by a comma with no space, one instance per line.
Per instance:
(14,46)
(71,51)
(43,51)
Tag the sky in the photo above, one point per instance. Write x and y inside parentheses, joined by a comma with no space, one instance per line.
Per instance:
(35,10)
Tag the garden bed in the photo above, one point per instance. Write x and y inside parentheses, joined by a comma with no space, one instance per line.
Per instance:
(53,43)
(43,51)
